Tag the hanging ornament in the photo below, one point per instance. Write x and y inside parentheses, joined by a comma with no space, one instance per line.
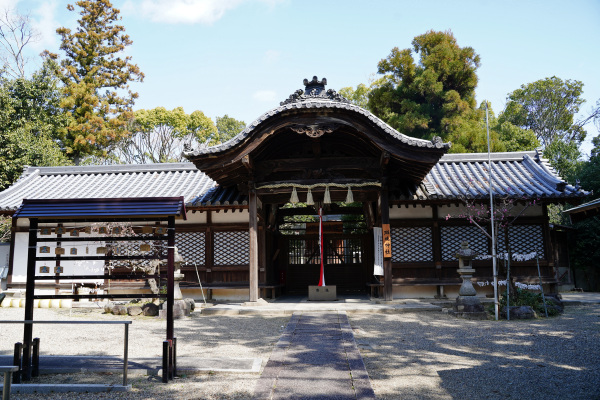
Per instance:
(59,251)
(102,230)
(147,229)
(60,230)
(309,198)
(74,232)
(161,230)
(294,198)
(88,229)
(45,249)
(100,250)
(349,196)
(116,230)
(58,270)
(327,197)
(87,250)
(44,269)
(45,231)
(73,251)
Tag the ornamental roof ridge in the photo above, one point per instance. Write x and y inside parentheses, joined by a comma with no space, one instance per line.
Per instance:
(314,90)
(110,169)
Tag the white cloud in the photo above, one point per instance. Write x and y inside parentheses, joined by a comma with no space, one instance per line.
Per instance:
(185,11)
(265,95)
(272,56)
(45,23)
(182,11)
(8,4)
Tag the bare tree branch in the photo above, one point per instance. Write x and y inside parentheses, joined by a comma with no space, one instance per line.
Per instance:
(16,33)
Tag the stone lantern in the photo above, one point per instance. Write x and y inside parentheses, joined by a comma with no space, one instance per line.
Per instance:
(467,304)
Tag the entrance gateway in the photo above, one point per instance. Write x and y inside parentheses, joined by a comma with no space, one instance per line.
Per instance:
(319,149)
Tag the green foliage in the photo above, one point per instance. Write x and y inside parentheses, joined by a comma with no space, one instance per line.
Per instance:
(227,128)
(358,96)
(564,157)
(526,298)
(159,135)
(96,80)
(547,107)
(585,240)
(430,97)
(5,226)
(30,119)
(471,135)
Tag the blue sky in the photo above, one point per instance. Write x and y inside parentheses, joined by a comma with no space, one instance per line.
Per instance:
(242,57)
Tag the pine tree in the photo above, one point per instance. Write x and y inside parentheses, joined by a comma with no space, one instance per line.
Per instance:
(97,96)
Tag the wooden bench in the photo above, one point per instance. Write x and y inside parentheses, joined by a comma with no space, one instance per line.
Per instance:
(272,290)
(375,288)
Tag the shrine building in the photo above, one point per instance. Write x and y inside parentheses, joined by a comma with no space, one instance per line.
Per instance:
(252,205)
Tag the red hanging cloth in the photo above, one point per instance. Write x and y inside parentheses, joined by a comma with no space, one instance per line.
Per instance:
(322,246)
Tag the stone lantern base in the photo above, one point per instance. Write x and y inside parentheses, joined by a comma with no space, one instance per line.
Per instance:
(468,307)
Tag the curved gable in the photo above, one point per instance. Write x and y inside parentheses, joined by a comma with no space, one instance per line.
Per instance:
(317,135)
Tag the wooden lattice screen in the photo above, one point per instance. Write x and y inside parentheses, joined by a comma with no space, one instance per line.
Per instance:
(412,244)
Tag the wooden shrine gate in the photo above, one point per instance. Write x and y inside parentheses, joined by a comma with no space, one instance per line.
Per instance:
(348,262)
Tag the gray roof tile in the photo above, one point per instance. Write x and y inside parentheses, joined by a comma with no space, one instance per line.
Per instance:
(455,175)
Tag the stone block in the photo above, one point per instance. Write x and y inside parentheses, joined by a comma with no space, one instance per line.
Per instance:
(322,293)
(150,310)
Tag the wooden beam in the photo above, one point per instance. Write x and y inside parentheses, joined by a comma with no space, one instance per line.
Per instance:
(387,262)
(253,233)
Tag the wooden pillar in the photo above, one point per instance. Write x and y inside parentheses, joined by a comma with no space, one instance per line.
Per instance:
(387,262)
(253,233)
(170,275)
(29,292)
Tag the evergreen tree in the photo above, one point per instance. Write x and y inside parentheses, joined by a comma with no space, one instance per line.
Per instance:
(96,80)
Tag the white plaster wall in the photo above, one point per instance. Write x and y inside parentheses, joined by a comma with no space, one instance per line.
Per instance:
(534,210)
(193,218)
(402,212)
(83,267)
(230,217)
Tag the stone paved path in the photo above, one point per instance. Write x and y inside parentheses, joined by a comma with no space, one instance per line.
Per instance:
(315,358)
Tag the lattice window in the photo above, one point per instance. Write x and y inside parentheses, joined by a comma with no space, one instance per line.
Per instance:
(344,251)
(232,248)
(191,246)
(453,236)
(304,251)
(524,239)
(412,244)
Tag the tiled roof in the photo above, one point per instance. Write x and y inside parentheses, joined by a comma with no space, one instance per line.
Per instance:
(317,103)
(516,174)
(107,181)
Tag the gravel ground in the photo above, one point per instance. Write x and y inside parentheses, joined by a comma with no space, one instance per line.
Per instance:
(435,356)
(199,336)
(408,356)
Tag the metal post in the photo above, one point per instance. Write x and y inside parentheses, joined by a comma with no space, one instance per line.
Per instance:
(8,371)
(126,355)
(494,266)
(35,360)
(508,282)
(17,361)
(174,357)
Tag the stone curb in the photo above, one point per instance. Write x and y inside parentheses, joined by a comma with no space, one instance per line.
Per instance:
(66,388)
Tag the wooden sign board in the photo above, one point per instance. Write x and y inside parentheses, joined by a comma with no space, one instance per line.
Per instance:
(387,240)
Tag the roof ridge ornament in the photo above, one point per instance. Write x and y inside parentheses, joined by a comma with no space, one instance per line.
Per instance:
(314,90)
